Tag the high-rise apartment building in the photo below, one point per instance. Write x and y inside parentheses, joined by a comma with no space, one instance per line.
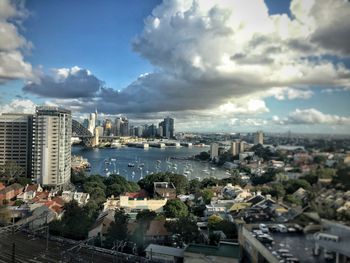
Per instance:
(259,138)
(167,127)
(214,151)
(52,146)
(16,140)
(124,127)
(92,122)
(237,147)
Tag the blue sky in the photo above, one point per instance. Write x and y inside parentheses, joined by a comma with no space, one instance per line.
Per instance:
(187,59)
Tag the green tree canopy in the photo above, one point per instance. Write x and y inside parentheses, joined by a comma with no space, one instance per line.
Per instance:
(185,229)
(175,209)
(118,230)
(207,195)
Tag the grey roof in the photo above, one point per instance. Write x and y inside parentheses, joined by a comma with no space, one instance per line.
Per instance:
(171,251)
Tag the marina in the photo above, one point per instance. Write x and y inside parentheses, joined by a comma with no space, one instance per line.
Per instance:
(135,163)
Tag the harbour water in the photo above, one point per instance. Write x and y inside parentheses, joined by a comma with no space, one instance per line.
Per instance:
(136,163)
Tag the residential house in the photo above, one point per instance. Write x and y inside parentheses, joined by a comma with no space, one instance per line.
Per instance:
(80,197)
(30,191)
(164,190)
(101,225)
(10,192)
(157,233)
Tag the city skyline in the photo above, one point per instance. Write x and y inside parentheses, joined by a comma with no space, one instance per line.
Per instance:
(211,65)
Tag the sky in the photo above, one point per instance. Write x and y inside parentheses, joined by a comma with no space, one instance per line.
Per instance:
(214,66)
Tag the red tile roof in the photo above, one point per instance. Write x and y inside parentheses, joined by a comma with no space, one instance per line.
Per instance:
(31,187)
(140,194)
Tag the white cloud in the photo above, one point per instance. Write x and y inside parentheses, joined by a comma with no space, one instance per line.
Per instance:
(311,116)
(18,106)
(12,63)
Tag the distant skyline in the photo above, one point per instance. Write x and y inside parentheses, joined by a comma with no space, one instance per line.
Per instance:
(213,66)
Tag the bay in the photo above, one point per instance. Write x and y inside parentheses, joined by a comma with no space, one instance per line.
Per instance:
(105,161)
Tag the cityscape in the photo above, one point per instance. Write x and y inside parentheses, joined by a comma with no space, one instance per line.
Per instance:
(226,139)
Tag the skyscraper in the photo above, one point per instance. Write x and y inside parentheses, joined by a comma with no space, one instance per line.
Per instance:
(167,127)
(16,140)
(124,127)
(92,122)
(258,138)
(214,151)
(52,146)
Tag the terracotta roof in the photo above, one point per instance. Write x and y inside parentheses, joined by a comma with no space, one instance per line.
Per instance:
(157,228)
(2,186)
(31,187)
(140,194)
(58,200)
(10,188)
(57,208)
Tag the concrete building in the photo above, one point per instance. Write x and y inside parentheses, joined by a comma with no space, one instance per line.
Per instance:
(237,147)
(214,151)
(52,146)
(92,122)
(16,132)
(168,130)
(124,127)
(259,138)
(107,128)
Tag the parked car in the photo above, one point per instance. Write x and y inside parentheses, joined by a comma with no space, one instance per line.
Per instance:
(264,228)
(282,228)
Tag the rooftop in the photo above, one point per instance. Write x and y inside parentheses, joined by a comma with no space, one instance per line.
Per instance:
(224,249)
(172,251)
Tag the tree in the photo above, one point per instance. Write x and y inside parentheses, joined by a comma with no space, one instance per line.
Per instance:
(204,156)
(145,215)
(194,186)
(185,229)
(294,184)
(229,228)
(175,209)
(214,220)
(117,185)
(209,182)
(343,177)
(207,195)
(319,159)
(75,222)
(118,230)
(292,200)
(11,170)
(277,190)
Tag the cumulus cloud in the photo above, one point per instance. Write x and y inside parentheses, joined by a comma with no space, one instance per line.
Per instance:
(66,83)
(209,52)
(12,43)
(18,106)
(311,117)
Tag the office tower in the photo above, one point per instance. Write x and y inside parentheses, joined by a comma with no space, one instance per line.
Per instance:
(234,148)
(160,130)
(241,148)
(52,146)
(108,127)
(100,130)
(214,151)
(117,125)
(258,138)
(92,122)
(124,127)
(96,138)
(167,127)
(86,123)
(16,140)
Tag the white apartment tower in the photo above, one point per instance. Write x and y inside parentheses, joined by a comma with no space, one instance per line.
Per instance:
(259,138)
(92,122)
(214,151)
(52,146)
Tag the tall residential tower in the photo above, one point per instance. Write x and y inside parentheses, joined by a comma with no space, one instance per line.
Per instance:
(52,146)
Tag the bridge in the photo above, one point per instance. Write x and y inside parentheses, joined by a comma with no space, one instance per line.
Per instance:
(78,130)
